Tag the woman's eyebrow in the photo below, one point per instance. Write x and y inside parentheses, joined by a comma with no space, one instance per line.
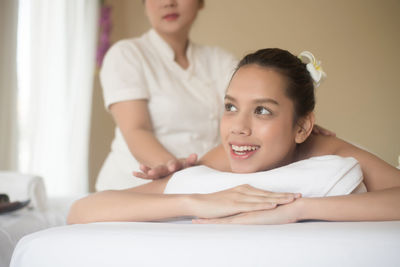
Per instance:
(228,97)
(256,101)
(266,100)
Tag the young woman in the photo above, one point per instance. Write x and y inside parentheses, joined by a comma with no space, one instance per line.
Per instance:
(157,88)
(267,124)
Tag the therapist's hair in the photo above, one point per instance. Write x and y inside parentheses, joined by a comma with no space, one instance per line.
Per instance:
(300,86)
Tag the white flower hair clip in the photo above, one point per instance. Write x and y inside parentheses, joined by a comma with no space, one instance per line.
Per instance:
(313,66)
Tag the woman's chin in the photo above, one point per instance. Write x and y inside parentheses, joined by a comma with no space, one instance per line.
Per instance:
(238,168)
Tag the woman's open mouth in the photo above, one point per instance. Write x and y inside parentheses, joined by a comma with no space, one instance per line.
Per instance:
(242,151)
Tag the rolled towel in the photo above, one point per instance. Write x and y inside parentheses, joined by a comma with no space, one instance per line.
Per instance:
(22,187)
(315,177)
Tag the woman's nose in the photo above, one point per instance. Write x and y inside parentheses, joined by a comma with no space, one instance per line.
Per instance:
(241,126)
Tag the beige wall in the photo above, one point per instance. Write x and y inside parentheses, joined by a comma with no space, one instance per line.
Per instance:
(357,41)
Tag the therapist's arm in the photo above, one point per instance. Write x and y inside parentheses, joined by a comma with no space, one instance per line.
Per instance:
(134,121)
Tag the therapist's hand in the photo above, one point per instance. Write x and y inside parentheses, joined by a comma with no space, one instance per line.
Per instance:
(164,170)
(286,213)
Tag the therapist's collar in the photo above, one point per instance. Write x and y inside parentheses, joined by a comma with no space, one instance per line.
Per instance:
(164,47)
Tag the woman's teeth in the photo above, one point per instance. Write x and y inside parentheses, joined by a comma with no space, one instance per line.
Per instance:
(241,150)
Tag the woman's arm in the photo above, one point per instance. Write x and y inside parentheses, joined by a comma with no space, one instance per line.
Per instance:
(381,202)
(147,203)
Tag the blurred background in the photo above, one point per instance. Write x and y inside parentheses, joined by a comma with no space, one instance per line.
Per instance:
(356,40)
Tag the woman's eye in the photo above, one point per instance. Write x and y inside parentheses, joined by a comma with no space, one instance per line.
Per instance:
(230,107)
(261,111)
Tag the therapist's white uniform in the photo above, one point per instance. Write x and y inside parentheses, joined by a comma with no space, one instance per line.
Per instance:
(185,105)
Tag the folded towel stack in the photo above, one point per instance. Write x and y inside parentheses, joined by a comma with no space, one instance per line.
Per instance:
(315,177)
(22,187)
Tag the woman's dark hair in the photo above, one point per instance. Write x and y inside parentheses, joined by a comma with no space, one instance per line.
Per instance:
(300,87)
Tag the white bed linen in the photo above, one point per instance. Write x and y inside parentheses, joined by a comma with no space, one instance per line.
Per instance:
(171,244)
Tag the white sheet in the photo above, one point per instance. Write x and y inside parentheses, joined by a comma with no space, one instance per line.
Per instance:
(315,177)
(170,244)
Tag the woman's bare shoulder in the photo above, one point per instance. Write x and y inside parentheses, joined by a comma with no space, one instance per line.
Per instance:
(319,145)
(216,159)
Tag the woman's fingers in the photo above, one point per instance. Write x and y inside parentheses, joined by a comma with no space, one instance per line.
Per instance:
(266,199)
(240,199)
(282,214)
(278,196)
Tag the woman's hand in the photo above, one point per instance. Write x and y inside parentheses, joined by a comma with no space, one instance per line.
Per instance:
(287,213)
(164,170)
(240,199)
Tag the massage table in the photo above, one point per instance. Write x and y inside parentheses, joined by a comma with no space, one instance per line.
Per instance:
(181,243)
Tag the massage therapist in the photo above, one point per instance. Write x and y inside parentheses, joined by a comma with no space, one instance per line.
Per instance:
(165,94)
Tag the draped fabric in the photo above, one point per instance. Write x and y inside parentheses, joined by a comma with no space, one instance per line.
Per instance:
(56,62)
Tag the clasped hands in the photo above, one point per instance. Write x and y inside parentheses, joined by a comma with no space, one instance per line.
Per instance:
(245,204)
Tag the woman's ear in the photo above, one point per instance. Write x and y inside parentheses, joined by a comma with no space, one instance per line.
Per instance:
(304,127)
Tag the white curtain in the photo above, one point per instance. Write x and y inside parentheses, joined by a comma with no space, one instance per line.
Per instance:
(8,84)
(56,63)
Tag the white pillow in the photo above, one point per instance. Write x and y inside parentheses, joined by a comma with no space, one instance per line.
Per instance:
(315,177)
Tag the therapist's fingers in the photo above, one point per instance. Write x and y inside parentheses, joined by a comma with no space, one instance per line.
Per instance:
(174,165)
(152,173)
(143,172)
(144,168)
(158,172)
(191,160)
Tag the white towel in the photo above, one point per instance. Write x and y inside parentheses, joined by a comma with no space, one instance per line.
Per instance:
(21,187)
(315,177)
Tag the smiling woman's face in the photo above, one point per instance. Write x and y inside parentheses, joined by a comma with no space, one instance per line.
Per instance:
(257,128)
